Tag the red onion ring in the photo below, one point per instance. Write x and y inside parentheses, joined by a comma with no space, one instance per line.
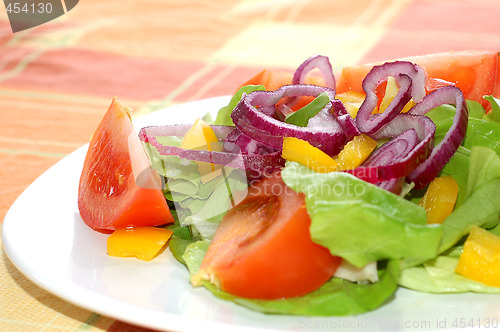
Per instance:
(316,61)
(401,155)
(442,152)
(411,81)
(395,185)
(260,164)
(323,130)
(180,130)
(237,142)
(345,120)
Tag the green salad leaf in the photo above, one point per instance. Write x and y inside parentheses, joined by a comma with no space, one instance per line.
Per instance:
(198,205)
(458,169)
(494,115)
(438,276)
(301,116)
(336,297)
(359,221)
(476,110)
(480,131)
(194,254)
(481,206)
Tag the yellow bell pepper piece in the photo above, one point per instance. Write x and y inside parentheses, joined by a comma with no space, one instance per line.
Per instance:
(304,153)
(355,152)
(391,91)
(480,258)
(141,242)
(439,199)
(352,100)
(202,137)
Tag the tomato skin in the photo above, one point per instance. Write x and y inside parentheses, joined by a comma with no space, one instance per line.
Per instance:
(108,195)
(474,72)
(270,79)
(262,248)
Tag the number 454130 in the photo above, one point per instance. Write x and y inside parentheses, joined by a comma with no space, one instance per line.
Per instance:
(472,323)
(40,8)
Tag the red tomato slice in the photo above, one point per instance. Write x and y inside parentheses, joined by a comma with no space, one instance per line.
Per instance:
(474,72)
(263,249)
(108,195)
(270,79)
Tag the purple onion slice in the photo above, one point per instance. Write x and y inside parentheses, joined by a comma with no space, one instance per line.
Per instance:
(345,120)
(237,142)
(442,152)
(412,143)
(257,163)
(411,81)
(323,130)
(395,185)
(316,61)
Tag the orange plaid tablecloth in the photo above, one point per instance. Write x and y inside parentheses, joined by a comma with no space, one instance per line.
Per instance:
(57,79)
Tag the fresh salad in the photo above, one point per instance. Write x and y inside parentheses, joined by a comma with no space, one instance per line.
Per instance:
(315,195)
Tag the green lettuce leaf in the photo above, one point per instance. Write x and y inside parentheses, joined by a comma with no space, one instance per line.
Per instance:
(481,206)
(336,297)
(194,254)
(458,168)
(480,132)
(494,115)
(476,110)
(361,222)
(438,276)
(198,205)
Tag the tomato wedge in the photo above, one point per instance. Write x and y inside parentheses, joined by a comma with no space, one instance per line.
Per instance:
(474,72)
(270,79)
(108,195)
(263,249)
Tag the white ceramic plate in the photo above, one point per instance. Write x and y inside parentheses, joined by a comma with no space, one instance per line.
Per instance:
(46,239)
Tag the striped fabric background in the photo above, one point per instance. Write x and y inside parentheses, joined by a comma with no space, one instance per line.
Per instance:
(57,79)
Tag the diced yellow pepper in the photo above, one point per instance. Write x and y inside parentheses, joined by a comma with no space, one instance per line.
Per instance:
(439,199)
(355,152)
(141,242)
(352,100)
(202,137)
(480,258)
(391,91)
(304,153)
